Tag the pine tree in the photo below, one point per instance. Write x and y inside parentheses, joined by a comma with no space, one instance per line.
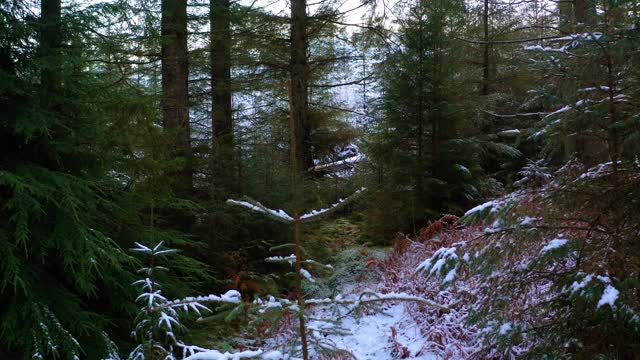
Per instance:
(418,140)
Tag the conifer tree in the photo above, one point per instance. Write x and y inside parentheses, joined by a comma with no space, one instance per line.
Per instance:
(418,137)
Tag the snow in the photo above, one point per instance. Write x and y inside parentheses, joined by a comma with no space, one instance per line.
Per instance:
(582,284)
(451,275)
(272,355)
(151,297)
(349,160)
(505,328)
(574,40)
(231,296)
(314,213)
(368,296)
(262,209)
(370,336)
(599,170)
(272,302)
(141,248)
(442,255)
(509,133)
(601,88)
(481,207)
(554,244)
(167,320)
(527,221)
(216,355)
(463,169)
(609,296)
(307,275)
(291,259)
(559,111)
(543,49)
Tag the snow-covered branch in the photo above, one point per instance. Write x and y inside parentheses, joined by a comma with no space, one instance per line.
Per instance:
(194,302)
(282,216)
(279,215)
(367,298)
(318,214)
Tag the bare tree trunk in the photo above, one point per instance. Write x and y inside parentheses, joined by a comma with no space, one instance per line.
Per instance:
(298,87)
(299,135)
(175,96)
(221,111)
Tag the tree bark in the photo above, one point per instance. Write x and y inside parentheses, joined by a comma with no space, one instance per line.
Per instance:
(486,49)
(299,134)
(585,14)
(50,43)
(175,94)
(221,108)
(565,10)
(299,86)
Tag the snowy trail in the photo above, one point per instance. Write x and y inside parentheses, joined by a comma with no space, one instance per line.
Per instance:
(370,336)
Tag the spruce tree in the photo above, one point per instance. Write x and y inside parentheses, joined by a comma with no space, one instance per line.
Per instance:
(418,140)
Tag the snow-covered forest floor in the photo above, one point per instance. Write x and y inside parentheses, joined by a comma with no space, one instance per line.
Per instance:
(459,288)
(397,329)
(388,334)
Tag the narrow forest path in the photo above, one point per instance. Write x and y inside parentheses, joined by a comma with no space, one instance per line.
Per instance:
(382,334)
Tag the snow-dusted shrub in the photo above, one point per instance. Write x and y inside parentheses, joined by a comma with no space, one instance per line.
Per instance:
(445,334)
(555,271)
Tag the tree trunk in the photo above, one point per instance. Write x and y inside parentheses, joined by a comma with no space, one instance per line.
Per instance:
(221,109)
(175,97)
(298,87)
(299,134)
(420,191)
(585,14)
(50,43)
(486,49)
(565,10)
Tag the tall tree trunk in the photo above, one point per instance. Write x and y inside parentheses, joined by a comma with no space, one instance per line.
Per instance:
(486,49)
(50,74)
(420,191)
(298,87)
(50,43)
(565,10)
(175,95)
(221,114)
(299,134)
(585,14)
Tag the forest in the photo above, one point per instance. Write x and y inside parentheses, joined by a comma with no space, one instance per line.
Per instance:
(319,179)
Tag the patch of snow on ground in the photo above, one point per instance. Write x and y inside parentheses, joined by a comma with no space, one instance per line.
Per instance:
(370,336)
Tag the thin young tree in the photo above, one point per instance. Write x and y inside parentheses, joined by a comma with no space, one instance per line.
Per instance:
(299,87)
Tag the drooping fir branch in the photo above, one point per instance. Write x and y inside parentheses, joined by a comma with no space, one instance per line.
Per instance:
(278,215)
(323,213)
(370,297)
(233,297)
(281,216)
